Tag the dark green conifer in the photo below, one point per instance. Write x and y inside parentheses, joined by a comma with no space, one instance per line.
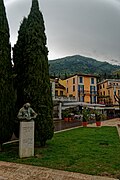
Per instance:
(6,88)
(20,64)
(31,65)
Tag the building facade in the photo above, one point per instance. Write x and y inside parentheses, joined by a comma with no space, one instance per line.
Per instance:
(82,87)
(107,90)
(58,90)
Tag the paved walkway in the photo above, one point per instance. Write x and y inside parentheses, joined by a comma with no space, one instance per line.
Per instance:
(13,171)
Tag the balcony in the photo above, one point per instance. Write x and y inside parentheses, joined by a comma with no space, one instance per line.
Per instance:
(93,93)
(112,86)
(81,92)
(64,98)
(106,100)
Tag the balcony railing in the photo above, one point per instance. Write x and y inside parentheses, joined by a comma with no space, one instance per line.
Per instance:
(64,98)
(112,86)
(88,92)
(94,93)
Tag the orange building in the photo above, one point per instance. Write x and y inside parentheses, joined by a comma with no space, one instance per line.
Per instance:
(82,87)
(107,90)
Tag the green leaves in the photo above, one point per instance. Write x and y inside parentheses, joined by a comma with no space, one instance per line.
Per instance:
(31,67)
(6,85)
(80,64)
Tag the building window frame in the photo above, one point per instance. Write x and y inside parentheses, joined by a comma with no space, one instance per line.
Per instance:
(61,93)
(81,98)
(67,90)
(93,90)
(81,88)
(74,88)
(73,80)
(56,92)
(81,80)
(92,80)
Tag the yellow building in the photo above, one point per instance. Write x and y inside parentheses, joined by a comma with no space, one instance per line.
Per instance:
(82,87)
(57,87)
(60,90)
(107,90)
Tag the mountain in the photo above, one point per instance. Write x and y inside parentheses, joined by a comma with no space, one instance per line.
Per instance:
(79,64)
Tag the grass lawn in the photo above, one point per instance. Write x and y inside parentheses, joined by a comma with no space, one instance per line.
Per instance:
(86,150)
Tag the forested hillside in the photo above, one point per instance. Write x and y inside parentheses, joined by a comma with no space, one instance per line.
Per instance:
(80,64)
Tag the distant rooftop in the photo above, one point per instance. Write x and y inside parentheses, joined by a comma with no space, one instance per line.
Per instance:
(81,74)
(111,80)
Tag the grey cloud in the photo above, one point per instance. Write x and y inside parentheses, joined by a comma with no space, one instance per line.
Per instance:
(92,28)
(87,27)
(16,10)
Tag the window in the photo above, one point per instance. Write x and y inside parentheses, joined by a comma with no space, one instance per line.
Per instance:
(81,79)
(81,98)
(81,88)
(73,88)
(109,92)
(104,93)
(61,93)
(73,80)
(92,80)
(92,89)
(56,93)
(93,99)
(67,90)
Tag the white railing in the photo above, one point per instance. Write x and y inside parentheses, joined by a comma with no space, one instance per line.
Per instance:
(64,98)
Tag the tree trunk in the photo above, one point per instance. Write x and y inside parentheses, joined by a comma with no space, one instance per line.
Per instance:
(0,147)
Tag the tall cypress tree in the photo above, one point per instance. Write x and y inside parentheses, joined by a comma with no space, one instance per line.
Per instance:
(20,64)
(6,89)
(19,81)
(31,65)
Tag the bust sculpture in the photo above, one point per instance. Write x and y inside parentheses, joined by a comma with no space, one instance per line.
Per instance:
(26,113)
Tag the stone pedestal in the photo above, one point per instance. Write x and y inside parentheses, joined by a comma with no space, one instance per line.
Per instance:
(26,139)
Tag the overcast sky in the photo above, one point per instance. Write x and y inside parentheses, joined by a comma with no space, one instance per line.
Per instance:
(85,27)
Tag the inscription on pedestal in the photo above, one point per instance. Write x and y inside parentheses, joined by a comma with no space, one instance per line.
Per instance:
(26,139)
